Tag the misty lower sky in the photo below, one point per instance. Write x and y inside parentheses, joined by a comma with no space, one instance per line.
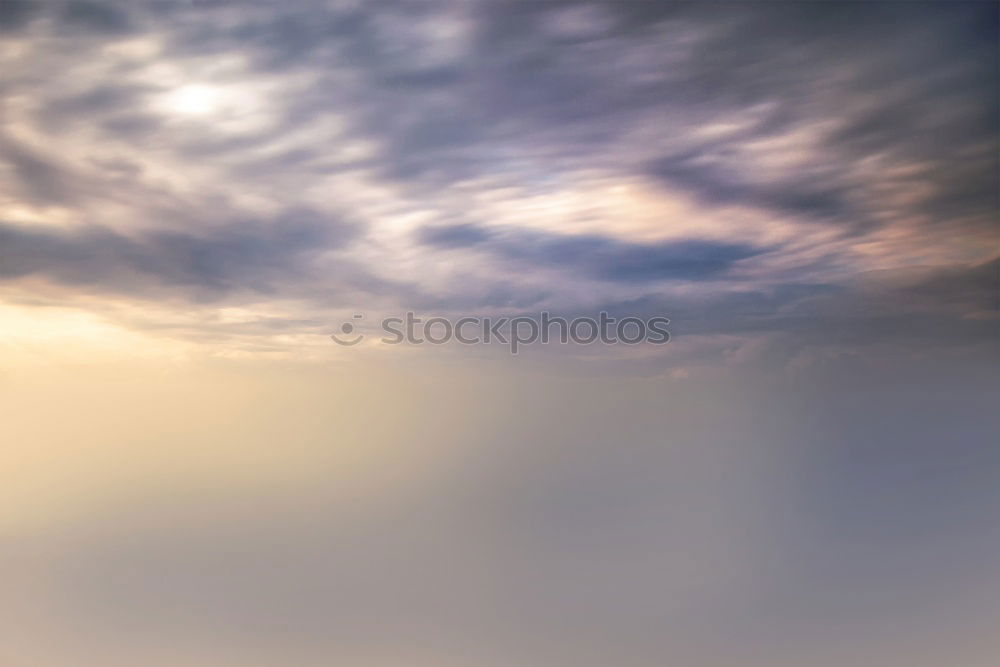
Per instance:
(196,194)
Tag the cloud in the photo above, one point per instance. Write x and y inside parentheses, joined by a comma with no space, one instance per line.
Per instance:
(805,199)
(96,17)
(41,179)
(236,257)
(806,145)
(599,257)
(15,14)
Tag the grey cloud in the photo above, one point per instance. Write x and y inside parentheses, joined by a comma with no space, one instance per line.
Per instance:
(96,102)
(518,88)
(528,91)
(15,14)
(599,257)
(99,18)
(455,236)
(243,256)
(806,199)
(889,319)
(41,179)
(963,290)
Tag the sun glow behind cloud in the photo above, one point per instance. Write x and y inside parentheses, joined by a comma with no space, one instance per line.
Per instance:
(195,99)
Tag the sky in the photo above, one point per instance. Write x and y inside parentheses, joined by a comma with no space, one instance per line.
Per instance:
(194,195)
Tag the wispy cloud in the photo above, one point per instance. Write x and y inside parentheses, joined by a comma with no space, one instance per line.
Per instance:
(493,155)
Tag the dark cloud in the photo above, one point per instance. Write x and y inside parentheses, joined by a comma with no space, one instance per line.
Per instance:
(15,14)
(248,256)
(102,99)
(95,17)
(513,84)
(41,179)
(455,236)
(857,117)
(806,199)
(597,257)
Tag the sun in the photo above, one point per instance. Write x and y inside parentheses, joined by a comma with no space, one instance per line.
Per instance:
(195,100)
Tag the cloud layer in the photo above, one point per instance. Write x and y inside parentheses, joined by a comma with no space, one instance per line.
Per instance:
(509,155)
